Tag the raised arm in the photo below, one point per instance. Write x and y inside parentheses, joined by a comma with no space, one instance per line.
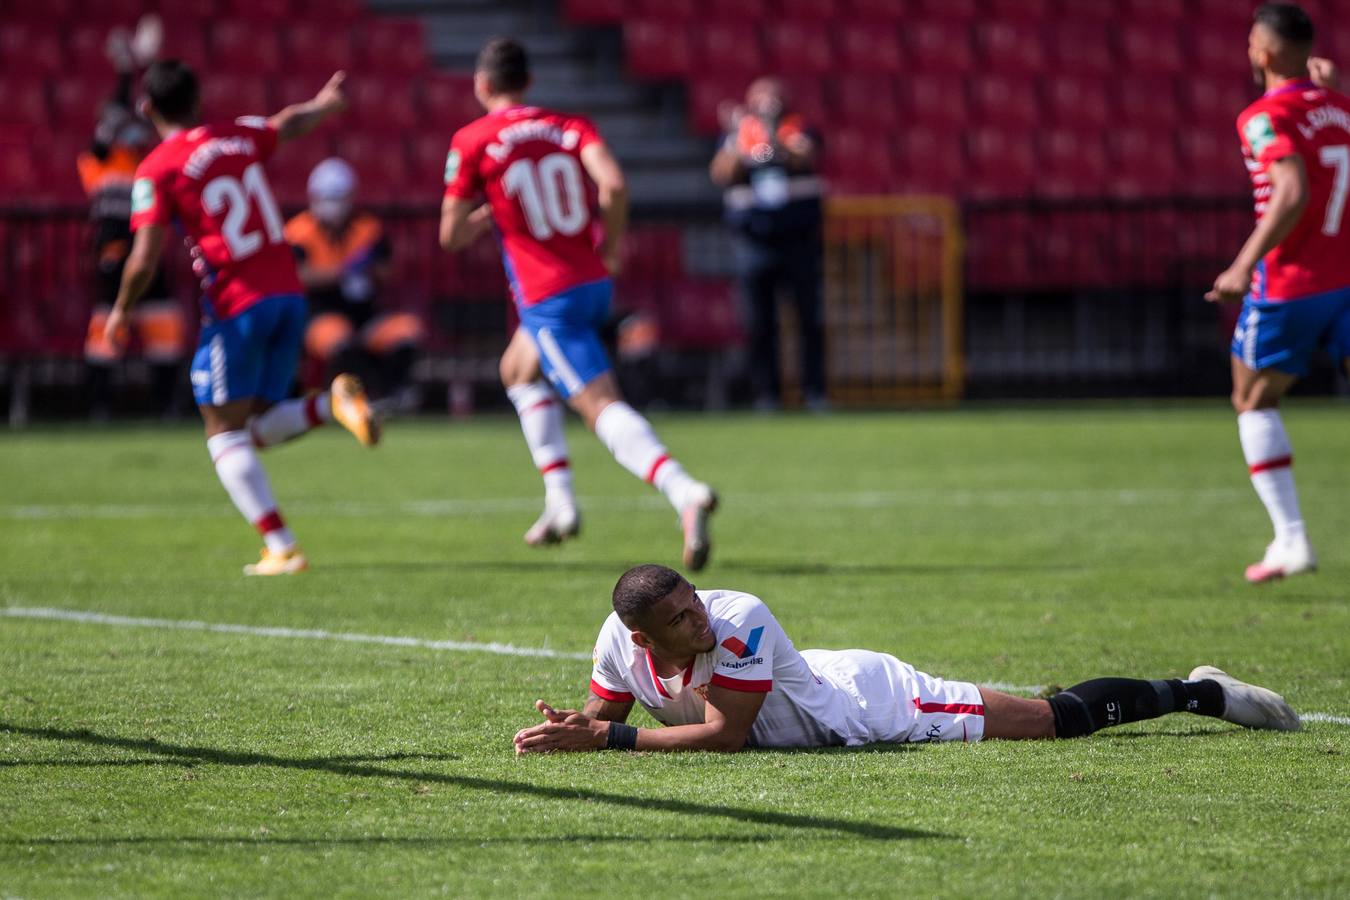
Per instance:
(605,171)
(1288,200)
(142,263)
(299,119)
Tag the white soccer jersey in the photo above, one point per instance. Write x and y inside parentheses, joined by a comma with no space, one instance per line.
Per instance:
(815,697)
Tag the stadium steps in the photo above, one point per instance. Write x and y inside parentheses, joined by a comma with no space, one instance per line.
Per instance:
(579,70)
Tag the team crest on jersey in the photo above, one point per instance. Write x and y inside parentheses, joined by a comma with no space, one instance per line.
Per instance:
(451,166)
(142,195)
(1259,132)
(744,649)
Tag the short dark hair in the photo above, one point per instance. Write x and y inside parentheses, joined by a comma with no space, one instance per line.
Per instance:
(506,65)
(1286,21)
(641,588)
(172,88)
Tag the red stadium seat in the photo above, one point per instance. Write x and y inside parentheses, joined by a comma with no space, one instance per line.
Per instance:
(426,157)
(85,48)
(935,100)
(186,40)
(673,10)
(1221,15)
(1145,163)
(1094,11)
(1002,163)
(47,12)
(729,48)
(1080,103)
(193,12)
(595,12)
(1211,164)
(872,11)
(31,50)
(289,169)
(799,48)
(18,173)
(383,175)
(261,10)
(228,96)
(928,161)
(963,11)
(1071,163)
(870,47)
(1004,101)
(392,45)
(1148,101)
(859,161)
(319,47)
(656,48)
(1082,48)
(1030,11)
(708,94)
(448,103)
(23,100)
(807,97)
(1154,10)
(813,11)
(1215,102)
(1154,48)
(1214,51)
(866,100)
(940,47)
(700,312)
(382,103)
(1014,49)
(76,101)
(747,11)
(241,47)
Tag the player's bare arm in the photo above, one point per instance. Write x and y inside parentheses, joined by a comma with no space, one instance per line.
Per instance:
(462,223)
(299,119)
(605,171)
(728,717)
(607,710)
(146,249)
(1324,73)
(1288,200)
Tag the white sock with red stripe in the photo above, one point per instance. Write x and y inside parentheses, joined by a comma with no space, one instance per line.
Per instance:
(245,480)
(1269,460)
(630,438)
(541,421)
(290,418)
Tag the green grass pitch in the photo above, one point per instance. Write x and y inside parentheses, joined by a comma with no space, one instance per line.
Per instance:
(1020,546)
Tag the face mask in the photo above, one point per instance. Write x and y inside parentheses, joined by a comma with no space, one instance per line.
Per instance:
(331,211)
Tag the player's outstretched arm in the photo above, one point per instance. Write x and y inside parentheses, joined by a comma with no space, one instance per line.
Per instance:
(142,263)
(612,199)
(1288,200)
(299,119)
(729,716)
(462,223)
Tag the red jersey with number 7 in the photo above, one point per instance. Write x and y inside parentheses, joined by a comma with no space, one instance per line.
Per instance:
(527,162)
(1299,118)
(210,180)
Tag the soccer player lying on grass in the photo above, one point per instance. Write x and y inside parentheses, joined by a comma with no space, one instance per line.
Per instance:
(717,669)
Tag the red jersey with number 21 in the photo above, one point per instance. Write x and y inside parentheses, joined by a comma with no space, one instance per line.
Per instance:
(1314,123)
(210,179)
(527,162)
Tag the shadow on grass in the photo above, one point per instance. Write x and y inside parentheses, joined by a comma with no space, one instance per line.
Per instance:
(413,841)
(543,566)
(338,766)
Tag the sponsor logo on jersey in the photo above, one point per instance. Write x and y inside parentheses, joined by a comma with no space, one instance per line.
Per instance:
(451,165)
(744,649)
(1259,132)
(142,196)
(741,664)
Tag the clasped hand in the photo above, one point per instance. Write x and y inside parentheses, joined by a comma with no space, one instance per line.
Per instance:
(563,730)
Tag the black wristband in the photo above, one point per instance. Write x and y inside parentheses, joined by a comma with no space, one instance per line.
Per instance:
(621,737)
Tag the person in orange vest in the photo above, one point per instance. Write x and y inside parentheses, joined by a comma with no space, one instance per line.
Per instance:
(344,261)
(121,140)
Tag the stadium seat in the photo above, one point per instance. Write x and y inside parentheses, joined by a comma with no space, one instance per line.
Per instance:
(1078,102)
(227,96)
(858,161)
(862,99)
(729,48)
(448,103)
(1015,49)
(261,10)
(934,100)
(670,10)
(1154,10)
(745,11)
(193,12)
(999,255)
(1145,163)
(1149,101)
(288,171)
(815,12)
(85,48)
(707,94)
(186,40)
(1088,11)
(1071,163)
(23,100)
(1216,52)
(1082,48)
(700,313)
(1154,48)
(870,47)
(18,173)
(76,101)
(798,48)
(807,97)
(240,45)
(1211,163)
(45,13)
(382,103)
(928,161)
(961,11)
(31,49)
(392,45)
(657,48)
(1004,101)
(1002,163)
(872,11)
(383,175)
(426,159)
(1216,102)
(595,12)
(1028,11)
(939,47)
(319,47)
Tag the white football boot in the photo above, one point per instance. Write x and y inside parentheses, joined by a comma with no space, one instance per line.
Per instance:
(699,504)
(1248,705)
(1282,559)
(557,524)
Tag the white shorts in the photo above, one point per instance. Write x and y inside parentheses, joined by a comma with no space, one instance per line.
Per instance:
(898,704)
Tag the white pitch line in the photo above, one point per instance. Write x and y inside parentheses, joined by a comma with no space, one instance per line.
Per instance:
(316,634)
(312,634)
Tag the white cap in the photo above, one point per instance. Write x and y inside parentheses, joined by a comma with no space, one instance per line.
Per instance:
(332,178)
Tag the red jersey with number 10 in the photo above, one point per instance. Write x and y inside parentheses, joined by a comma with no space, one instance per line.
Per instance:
(210,179)
(527,162)
(1314,123)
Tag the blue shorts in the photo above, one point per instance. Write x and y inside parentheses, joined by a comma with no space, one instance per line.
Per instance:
(1284,335)
(253,354)
(565,328)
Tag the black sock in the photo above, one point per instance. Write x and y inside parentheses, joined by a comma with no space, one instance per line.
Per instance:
(1103,702)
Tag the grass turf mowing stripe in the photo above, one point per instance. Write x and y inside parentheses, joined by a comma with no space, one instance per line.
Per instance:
(316,634)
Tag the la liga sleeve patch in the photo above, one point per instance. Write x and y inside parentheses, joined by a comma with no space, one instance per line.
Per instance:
(1259,133)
